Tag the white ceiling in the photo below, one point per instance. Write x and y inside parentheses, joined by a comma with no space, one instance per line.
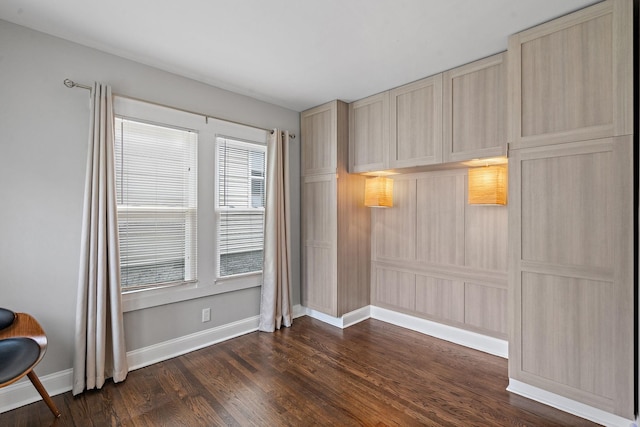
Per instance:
(293,53)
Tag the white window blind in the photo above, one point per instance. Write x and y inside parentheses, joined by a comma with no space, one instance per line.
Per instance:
(156,184)
(240,205)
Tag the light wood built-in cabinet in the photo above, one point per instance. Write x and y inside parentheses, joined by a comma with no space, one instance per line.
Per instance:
(571,79)
(434,256)
(553,271)
(571,213)
(369,134)
(416,123)
(474,110)
(319,141)
(335,223)
(450,117)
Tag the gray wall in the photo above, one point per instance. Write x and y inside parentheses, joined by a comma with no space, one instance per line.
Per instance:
(43,137)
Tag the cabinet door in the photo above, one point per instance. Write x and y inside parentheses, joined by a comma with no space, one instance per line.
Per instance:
(571,79)
(571,271)
(369,133)
(474,108)
(319,256)
(416,123)
(319,139)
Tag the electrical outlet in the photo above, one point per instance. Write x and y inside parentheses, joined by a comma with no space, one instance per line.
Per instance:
(206,315)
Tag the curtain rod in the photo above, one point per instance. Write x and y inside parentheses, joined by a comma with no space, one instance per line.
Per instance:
(71,84)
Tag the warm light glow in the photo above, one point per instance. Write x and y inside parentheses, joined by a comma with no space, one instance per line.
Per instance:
(474,163)
(488,185)
(378,192)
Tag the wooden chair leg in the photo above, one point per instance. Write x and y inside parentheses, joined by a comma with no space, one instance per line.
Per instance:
(45,396)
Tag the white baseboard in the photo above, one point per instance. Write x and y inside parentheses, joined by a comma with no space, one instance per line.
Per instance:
(22,393)
(356,316)
(299,311)
(176,347)
(473,340)
(567,405)
(345,321)
(480,342)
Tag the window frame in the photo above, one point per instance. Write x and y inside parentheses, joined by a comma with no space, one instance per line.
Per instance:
(188,247)
(219,210)
(207,283)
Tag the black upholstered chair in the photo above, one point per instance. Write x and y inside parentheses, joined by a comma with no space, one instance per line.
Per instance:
(22,346)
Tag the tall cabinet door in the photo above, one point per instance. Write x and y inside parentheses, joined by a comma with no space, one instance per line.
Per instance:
(571,79)
(416,123)
(319,222)
(474,110)
(571,271)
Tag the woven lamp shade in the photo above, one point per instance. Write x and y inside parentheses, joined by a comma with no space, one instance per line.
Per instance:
(378,192)
(488,185)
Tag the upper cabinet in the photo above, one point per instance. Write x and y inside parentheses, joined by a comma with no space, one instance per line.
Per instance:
(474,108)
(571,79)
(416,123)
(451,117)
(319,141)
(369,133)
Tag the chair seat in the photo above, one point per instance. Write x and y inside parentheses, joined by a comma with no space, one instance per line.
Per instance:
(17,355)
(6,318)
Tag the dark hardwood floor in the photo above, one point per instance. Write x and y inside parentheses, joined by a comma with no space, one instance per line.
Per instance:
(371,374)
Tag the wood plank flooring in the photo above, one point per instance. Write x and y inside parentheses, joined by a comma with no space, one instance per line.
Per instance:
(370,374)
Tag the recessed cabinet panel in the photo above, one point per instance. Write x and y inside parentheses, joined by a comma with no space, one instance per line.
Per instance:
(396,288)
(567,79)
(369,133)
(319,218)
(566,209)
(318,128)
(569,346)
(416,123)
(486,307)
(474,108)
(319,275)
(440,224)
(440,298)
(485,237)
(396,226)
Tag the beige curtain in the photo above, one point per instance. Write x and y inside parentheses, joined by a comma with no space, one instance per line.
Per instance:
(99,339)
(275,306)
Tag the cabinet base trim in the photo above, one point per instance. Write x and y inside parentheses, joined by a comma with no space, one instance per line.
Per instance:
(567,405)
(480,342)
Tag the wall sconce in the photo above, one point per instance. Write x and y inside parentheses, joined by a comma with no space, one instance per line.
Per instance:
(488,185)
(378,192)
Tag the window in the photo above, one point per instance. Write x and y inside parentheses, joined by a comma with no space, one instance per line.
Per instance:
(240,206)
(172,224)
(156,185)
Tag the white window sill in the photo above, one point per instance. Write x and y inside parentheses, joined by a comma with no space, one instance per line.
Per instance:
(138,300)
